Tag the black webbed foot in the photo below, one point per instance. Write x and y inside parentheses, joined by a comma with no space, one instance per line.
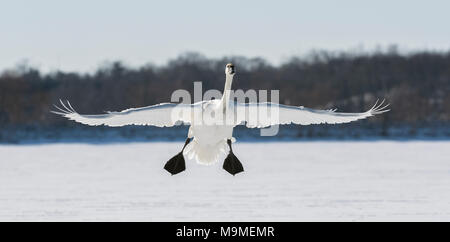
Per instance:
(177,163)
(232,163)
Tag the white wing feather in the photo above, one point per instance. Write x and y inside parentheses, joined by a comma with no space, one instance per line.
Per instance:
(160,115)
(254,115)
(284,114)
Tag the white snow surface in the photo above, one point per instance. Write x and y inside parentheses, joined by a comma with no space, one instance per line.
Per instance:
(283,181)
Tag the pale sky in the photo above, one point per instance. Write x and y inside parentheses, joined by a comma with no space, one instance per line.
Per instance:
(81,35)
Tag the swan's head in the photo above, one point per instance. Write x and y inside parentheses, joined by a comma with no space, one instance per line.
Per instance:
(229,69)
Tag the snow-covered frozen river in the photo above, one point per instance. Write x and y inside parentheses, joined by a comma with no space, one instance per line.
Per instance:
(283,181)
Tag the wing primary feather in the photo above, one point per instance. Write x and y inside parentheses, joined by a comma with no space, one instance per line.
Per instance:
(379,105)
(68,103)
(60,109)
(380,109)
(59,113)
(376,102)
(62,103)
(385,106)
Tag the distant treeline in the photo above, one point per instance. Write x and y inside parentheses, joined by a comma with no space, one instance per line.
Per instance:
(417,85)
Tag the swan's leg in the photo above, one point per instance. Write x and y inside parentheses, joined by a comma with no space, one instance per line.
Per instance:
(177,164)
(232,163)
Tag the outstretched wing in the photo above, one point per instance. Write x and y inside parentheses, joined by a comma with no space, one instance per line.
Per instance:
(260,115)
(160,115)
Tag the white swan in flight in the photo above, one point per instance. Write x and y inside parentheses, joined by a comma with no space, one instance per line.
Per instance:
(208,141)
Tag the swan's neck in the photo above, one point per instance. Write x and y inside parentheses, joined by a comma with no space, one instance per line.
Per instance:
(227,91)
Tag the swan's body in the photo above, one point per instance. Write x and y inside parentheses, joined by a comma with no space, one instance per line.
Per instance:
(210,139)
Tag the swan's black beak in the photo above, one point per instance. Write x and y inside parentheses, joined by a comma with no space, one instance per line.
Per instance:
(232,70)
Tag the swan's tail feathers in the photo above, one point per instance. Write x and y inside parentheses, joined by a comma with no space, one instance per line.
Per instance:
(206,154)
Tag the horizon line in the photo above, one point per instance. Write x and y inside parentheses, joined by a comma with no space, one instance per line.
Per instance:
(25,64)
